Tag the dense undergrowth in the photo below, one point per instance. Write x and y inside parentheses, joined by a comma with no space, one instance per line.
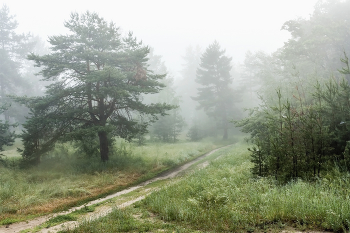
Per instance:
(226,197)
(64,179)
(303,134)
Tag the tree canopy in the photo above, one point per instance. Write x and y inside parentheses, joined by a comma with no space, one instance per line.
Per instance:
(317,43)
(98,80)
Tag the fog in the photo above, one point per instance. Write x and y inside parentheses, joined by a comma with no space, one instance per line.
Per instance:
(218,59)
(85,105)
(277,70)
(170,26)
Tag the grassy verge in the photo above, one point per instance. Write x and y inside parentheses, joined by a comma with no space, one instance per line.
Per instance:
(129,220)
(65,179)
(224,197)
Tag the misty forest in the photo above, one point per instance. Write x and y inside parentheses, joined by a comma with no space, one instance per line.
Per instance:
(261,146)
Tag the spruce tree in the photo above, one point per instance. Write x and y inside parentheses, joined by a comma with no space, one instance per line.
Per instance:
(98,82)
(215,97)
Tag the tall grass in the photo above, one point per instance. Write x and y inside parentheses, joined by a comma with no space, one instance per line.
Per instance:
(64,177)
(225,197)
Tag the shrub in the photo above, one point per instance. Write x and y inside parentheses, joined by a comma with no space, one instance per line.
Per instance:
(300,137)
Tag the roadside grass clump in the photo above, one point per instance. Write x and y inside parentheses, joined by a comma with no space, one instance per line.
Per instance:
(127,220)
(122,222)
(64,178)
(60,219)
(73,216)
(225,197)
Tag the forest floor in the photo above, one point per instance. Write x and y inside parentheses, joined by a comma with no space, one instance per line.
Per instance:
(103,206)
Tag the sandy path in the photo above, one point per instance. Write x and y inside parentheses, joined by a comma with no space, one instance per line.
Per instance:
(105,210)
(17,227)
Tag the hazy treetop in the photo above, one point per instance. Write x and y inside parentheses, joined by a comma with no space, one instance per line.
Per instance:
(170,26)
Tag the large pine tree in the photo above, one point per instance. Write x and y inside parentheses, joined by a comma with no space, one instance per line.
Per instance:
(215,96)
(99,78)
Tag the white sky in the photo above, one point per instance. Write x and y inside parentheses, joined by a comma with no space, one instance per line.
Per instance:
(170,26)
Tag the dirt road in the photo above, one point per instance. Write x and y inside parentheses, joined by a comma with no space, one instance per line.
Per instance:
(104,210)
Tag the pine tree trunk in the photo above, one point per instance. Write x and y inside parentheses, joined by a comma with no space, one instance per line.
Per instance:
(35,160)
(104,150)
